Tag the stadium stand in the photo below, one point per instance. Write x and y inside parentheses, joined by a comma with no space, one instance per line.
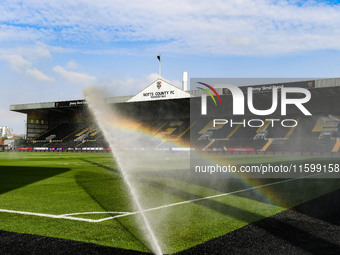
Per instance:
(69,125)
(311,134)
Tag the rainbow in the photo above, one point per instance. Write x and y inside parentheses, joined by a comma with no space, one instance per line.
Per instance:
(129,125)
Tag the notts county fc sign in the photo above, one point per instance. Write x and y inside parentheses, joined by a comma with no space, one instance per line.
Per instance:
(159,90)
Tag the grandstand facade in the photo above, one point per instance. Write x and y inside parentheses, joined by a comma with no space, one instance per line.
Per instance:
(68,125)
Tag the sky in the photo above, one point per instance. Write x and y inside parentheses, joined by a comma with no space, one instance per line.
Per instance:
(52,50)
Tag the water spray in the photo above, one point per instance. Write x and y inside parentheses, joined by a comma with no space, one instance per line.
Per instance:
(104,115)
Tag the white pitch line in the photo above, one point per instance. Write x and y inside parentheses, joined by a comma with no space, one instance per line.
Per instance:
(80,213)
(205,198)
(47,215)
(67,217)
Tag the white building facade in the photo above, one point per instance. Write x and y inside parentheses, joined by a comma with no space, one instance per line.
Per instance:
(6,131)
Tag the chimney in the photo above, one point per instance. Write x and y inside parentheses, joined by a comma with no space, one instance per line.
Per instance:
(185,81)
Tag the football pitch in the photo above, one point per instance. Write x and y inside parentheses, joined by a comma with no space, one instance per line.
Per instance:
(82,197)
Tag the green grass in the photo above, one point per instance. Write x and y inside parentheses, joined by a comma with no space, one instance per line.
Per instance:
(60,183)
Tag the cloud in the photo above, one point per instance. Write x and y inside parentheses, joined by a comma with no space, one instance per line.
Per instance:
(38,75)
(72,65)
(246,27)
(21,65)
(17,62)
(36,52)
(132,86)
(75,77)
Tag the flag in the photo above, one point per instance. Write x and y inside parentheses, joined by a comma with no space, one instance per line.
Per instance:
(159,58)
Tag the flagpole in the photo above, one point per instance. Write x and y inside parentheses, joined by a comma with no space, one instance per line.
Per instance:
(160,65)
